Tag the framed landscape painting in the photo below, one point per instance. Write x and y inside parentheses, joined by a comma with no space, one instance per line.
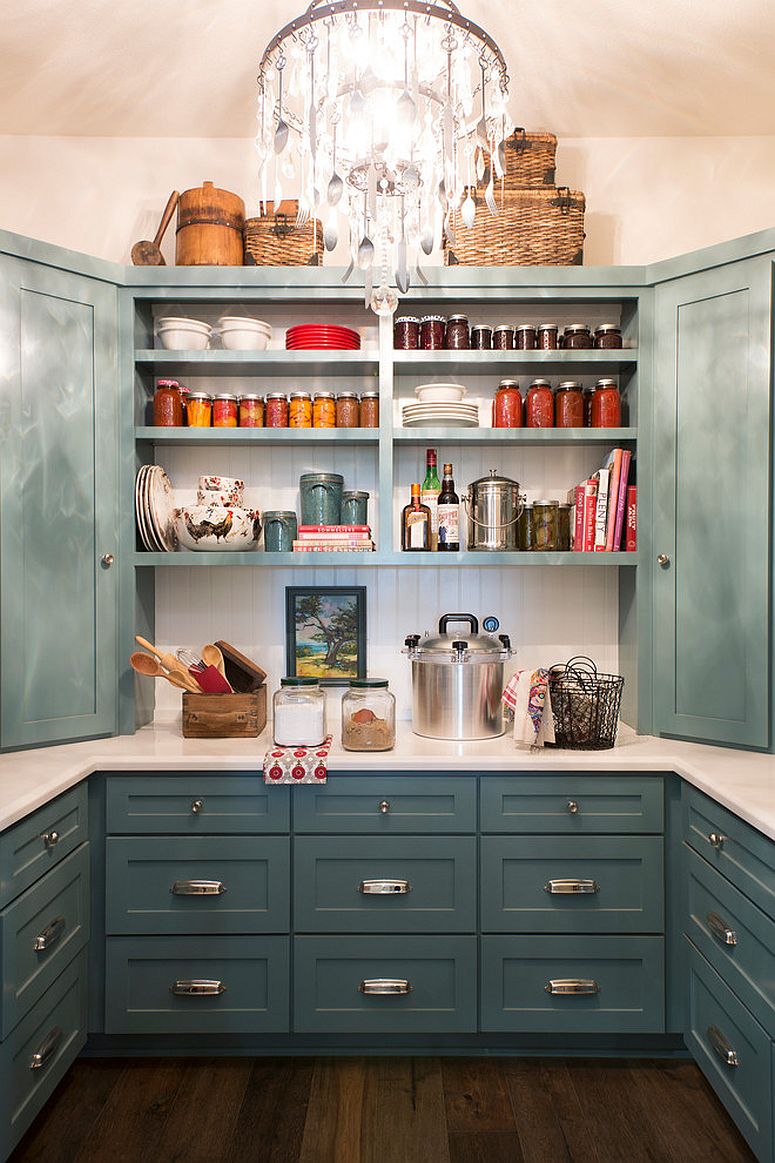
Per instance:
(325,629)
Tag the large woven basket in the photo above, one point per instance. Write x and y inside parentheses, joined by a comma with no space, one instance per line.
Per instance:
(530,159)
(276,240)
(540,227)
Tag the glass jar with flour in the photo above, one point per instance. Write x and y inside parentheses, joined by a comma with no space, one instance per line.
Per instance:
(299,709)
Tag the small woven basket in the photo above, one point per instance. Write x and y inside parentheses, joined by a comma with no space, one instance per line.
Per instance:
(539,227)
(585,705)
(276,240)
(530,159)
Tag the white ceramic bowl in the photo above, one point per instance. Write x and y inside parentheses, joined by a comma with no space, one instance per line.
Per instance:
(183,321)
(214,528)
(241,339)
(439,393)
(183,336)
(228,321)
(218,490)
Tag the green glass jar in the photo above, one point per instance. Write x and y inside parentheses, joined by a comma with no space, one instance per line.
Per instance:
(545,525)
(525,528)
(563,528)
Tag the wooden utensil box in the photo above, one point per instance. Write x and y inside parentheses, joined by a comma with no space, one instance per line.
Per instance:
(224,716)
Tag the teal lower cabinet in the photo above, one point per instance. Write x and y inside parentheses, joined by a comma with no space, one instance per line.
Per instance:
(385,985)
(573,985)
(197,985)
(39,841)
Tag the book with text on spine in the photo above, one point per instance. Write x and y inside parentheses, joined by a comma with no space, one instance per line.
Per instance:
(601,509)
(632,519)
(621,505)
(590,507)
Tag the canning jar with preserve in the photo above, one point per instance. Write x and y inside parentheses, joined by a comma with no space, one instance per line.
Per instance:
(481,337)
(406,333)
(569,405)
(432,332)
(503,338)
(606,405)
(608,336)
(507,405)
(276,410)
(324,410)
(167,404)
(347,410)
(539,405)
(199,409)
(369,409)
(457,336)
(368,716)
(251,411)
(545,525)
(546,336)
(525,528)
(525,337)
(576,336)
(300,410)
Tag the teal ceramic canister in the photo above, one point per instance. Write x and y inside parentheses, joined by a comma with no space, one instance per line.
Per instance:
(321,498)
(355,508)
(280,529)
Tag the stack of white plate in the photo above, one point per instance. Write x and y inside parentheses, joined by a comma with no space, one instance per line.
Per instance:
(239,333)
(178,333)
(155,509)
(446,415)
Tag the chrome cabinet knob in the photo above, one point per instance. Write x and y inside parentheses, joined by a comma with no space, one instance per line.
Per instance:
(663,559)
(572,807)
(716,839)
(384,807)
(107,560)
(50,839)
(197,806)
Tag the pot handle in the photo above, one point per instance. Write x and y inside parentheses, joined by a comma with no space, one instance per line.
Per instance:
(487,525)
(445,619)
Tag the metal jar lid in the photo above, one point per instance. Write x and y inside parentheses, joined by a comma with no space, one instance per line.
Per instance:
(547,327)
(347,395)
(458,319)
(325,396)
(481,327)
(250,396)
(371,394)
(225,396)
(606,384)
(525,327)
(300,396)
(548,504)
(602,328)
(432,319)
(505,327)
(571,327)
(276,396)
(569,386)
(199,396)
(508,384)
(540,384)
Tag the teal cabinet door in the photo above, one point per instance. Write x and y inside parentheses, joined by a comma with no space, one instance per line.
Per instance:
(712,509)
(58,520)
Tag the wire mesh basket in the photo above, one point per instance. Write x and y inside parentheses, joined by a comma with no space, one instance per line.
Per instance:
(585,705)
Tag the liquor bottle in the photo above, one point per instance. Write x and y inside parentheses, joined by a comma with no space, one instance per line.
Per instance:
(431,487)
(416,524)
(448,514)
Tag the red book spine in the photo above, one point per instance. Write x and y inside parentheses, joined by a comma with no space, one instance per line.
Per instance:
(590,509)
(578,526)
(632,519)
(621,504)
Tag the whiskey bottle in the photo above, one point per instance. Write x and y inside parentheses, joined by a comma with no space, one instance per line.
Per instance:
(416,524)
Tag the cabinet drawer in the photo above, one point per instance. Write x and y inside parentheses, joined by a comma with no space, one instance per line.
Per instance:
(237,985)
(384,884)
(55,1030)
(195,804)
(736,937)
(334,976)
(742,854)
(572,804)
(41,932)
(625,977)
(718,1024)
(528,883)
(40,841)
(197,884)
(388,804)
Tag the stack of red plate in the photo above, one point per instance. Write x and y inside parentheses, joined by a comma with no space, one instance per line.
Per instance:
(321,337)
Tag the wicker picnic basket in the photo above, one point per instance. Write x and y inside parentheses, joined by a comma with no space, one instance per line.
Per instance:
(530,159)
(533,227)
(276,240)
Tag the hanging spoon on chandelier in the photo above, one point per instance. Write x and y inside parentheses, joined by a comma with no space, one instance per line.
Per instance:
(335,185)
(282,130)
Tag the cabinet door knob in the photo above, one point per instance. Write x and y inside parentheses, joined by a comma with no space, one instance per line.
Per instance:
(663,559)
(572,807)
(716,839)
(197,806)
(50,839)
(384,806)
(107,560)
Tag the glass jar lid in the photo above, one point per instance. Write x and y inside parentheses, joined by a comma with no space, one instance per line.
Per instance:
(571,327)
(604,327)
(569,386)
(433,319)
(276,396)
(366,683)
(299,681)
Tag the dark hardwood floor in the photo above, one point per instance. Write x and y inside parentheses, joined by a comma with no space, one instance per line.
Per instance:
(382,1110)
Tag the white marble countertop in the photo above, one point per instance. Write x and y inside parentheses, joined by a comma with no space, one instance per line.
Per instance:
(743,781)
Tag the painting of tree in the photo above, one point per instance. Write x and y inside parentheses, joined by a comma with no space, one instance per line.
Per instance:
(326,633)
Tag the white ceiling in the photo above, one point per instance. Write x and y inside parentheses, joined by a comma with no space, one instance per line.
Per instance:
(582,68)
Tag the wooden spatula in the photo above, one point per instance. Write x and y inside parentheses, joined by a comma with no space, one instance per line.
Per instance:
(148,254)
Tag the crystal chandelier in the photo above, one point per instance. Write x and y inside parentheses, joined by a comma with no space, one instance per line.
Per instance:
(383,114)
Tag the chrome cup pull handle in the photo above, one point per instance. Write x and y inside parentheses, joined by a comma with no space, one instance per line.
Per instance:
(572,987)
(385,987)
(200,987)
(716,839)
(722,1047)
(720,929)
(50,935)
(50,839)
(198,888)
(562,887)
(47,1049)
(384,887)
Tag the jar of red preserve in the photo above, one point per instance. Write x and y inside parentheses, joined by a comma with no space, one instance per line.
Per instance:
(276,410)
(546,336)
(577,336)
(167,404)
(569,405)
(539,405)
(507,406)
(606,405)
(525,337)
(432,332)
(225,410)
(251,411)
(608,336)
(406,333)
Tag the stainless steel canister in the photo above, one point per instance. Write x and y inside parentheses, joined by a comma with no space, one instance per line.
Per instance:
(493,506)
(457,681)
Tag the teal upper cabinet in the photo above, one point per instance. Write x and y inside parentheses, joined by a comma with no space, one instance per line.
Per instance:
(58,466)
(712,512)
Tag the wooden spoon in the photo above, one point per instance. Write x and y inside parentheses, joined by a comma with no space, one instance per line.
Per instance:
(144,664)
(172,665)
(148,254)
(212,656)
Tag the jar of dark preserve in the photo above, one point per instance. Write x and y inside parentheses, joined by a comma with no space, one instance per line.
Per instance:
(606,405)
(577,336)
(457,336)
(569,405)
(539,405)
(525,337)
(369,410)
(546,336)
(432,332)
(167,404)
(503,337)
(276,410)
(507,406)
(608,335)
(481,337)
(406,333)
(347,410)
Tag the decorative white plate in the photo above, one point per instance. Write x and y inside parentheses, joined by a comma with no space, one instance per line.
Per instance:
(139,506)
(154,543)
(161,507)
(444,422)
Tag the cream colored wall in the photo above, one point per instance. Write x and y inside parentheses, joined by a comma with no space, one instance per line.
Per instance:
(647,198)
